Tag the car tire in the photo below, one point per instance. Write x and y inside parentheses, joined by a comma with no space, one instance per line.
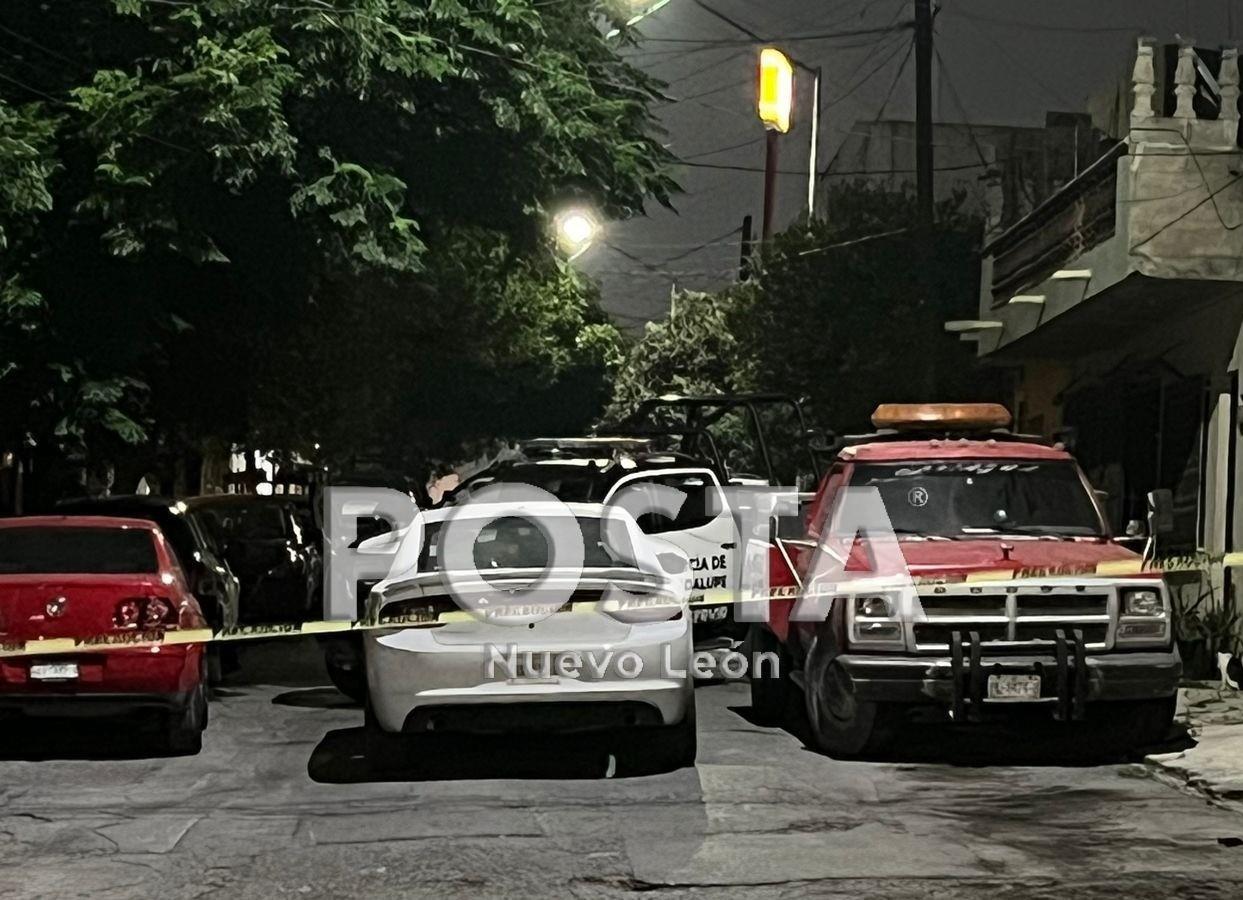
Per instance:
(183,728)
(349,680)
(386,752)
(675,746)
(770,694)
(841,725)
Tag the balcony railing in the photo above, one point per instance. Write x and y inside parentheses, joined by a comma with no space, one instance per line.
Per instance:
(1072,221)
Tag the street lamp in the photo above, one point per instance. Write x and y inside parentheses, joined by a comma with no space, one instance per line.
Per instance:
(774,103)
(576,229)
(776,92)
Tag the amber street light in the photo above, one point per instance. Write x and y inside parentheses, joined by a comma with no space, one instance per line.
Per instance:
(774,103)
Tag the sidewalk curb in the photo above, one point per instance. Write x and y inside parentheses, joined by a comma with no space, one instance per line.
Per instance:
(1213,767)
(1160,767)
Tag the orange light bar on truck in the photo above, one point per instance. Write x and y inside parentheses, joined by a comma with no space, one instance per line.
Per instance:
(939,416)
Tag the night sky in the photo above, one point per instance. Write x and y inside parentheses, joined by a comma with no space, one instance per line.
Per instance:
(999,62)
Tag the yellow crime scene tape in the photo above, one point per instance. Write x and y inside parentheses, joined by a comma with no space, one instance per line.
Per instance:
(711,598)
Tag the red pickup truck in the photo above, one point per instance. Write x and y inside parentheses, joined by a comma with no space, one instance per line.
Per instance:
(1008,605)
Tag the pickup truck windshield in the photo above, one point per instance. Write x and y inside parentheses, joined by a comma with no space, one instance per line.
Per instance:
(966,498)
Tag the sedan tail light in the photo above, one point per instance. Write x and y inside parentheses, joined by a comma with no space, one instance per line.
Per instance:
(146,612)
(128,612)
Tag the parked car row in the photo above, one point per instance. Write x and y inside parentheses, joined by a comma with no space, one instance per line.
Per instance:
(993,541)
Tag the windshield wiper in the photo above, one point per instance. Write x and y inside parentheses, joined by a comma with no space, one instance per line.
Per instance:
(1055,531)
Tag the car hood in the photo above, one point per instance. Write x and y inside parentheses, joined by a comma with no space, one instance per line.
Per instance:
(931,559)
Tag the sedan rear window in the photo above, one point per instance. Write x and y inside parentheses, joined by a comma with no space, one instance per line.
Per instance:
(74,551)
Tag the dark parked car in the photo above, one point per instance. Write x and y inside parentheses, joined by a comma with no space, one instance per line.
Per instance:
(273,546)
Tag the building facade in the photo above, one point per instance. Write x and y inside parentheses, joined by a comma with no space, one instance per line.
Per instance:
(1117,305)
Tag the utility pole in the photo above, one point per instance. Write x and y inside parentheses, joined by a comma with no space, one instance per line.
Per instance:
(770,186)
(923,112)
(744,262)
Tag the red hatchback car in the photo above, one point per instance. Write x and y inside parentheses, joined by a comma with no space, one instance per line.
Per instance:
(99,577)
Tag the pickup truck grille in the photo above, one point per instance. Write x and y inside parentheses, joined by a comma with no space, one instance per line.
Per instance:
(1018,616)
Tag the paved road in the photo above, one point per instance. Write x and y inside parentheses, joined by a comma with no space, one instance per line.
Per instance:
(280,803)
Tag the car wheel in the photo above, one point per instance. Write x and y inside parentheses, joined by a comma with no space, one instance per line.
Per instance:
(770,691)
(675,746)
(841,725)
(385,751)
(349,680)
(184,727)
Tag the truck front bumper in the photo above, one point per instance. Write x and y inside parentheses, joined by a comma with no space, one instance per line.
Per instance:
(1069,678)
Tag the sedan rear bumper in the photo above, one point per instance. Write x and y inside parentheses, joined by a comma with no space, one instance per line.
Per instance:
(140,672)
(416,683)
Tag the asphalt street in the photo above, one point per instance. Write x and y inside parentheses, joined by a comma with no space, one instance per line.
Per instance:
(281,803)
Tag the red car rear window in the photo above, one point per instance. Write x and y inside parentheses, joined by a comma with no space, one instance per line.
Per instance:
(65,550)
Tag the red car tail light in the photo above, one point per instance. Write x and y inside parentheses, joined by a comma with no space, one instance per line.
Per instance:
(127,613)
(146,612)
(157,611)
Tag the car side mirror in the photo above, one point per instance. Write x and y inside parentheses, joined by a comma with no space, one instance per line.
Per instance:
(1160,511)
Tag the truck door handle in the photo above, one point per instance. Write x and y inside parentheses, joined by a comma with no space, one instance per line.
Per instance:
(730,546)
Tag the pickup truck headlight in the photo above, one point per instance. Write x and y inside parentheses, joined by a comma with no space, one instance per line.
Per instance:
(1142,603)
(873,624)
(1144,617)
(873,607)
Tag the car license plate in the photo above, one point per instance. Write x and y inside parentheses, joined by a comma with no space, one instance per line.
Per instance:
(53,671)
(1014,687)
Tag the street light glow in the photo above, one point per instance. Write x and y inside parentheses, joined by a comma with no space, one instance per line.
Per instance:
(576,230)
(776,90)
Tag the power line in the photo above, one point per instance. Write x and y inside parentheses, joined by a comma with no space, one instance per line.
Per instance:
(897,76)
(953,92)
(1010,57)
(828,174)
(1046,26)
(853,241)
(708,93)
(867,76)
(781,38)
(750,142)
(716,241)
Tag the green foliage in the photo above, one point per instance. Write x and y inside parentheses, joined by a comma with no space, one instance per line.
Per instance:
(692,351)
(186,189)
(845,313)
(494,344)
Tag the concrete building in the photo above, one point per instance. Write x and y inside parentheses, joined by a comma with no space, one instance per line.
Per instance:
(1117,303)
